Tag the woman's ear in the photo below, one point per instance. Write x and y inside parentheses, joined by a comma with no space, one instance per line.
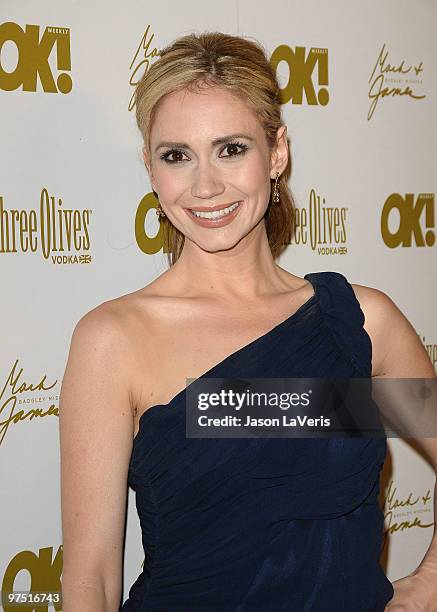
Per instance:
(279,156)
(146,159)
(148,165)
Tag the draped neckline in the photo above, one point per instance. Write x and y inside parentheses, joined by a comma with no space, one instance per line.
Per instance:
(277,328)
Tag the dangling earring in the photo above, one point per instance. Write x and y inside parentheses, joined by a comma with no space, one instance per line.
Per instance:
(276,190)
(159,211)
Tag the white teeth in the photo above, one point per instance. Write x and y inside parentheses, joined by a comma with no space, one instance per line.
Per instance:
(215,214)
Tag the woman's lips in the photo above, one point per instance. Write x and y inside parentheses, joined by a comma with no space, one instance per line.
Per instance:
(219,221)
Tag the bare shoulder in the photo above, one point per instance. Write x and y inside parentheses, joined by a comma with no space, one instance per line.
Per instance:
(104,332)
(103,323)
(129,331)
(375,304)
(115,321)
(397,350)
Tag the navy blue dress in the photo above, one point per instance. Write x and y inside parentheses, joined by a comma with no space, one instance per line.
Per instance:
(265,524)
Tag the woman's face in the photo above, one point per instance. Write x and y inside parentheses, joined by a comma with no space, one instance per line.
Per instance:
(209,152)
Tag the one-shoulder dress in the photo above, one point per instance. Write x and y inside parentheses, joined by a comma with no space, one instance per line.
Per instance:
(265,524)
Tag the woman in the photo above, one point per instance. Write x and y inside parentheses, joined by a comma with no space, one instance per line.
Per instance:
(229,524)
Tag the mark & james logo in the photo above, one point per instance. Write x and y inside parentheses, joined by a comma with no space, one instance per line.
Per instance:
(393,80)
(144,54)
(16,392)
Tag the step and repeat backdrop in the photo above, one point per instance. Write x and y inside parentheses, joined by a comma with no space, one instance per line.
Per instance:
(77,227)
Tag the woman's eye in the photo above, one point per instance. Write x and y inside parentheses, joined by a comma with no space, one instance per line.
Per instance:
(166,155)
(235,146)
(231,147)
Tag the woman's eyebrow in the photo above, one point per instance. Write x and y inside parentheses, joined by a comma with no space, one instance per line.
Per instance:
(215,142)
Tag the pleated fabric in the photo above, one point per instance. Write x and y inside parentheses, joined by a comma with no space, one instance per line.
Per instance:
(265,524)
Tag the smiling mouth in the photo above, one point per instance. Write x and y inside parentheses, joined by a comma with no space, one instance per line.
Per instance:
(215,214)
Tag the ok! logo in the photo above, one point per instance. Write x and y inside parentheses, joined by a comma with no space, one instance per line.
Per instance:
(32,54)
(415,220)
(301,74)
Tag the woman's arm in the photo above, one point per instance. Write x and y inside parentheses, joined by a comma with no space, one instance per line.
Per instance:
(96,431)
(399,353)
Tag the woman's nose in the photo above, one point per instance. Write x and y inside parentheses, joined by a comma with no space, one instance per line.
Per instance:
(206,182)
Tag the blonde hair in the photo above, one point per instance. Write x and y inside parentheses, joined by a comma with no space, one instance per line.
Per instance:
(233,63)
